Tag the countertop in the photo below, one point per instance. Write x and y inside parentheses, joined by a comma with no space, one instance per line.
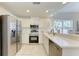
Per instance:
(63,42)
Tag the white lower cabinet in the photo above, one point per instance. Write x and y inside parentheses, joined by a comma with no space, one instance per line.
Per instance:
(54,50)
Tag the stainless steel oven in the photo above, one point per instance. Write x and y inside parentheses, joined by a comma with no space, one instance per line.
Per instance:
(33,39)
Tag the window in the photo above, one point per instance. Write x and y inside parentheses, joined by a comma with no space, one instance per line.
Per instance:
(58,26)
(67,26)
(63,26)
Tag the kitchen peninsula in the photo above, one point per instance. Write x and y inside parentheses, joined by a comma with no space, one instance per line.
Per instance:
(63,45)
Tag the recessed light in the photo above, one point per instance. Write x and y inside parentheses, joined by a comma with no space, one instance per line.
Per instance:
(46,11)
(27,11)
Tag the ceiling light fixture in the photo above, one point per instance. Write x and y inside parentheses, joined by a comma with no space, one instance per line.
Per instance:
(46,11)
(27,11)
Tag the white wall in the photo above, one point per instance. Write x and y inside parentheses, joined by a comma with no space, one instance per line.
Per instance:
(3,11)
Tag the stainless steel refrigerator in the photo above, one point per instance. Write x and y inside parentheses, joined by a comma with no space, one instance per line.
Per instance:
(16,41)
(18,35)
(10,35)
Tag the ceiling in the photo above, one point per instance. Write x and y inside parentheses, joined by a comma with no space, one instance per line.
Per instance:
(36,10)
(70,7)
(69,11)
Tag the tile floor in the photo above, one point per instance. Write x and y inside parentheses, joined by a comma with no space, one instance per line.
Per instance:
(32,50)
